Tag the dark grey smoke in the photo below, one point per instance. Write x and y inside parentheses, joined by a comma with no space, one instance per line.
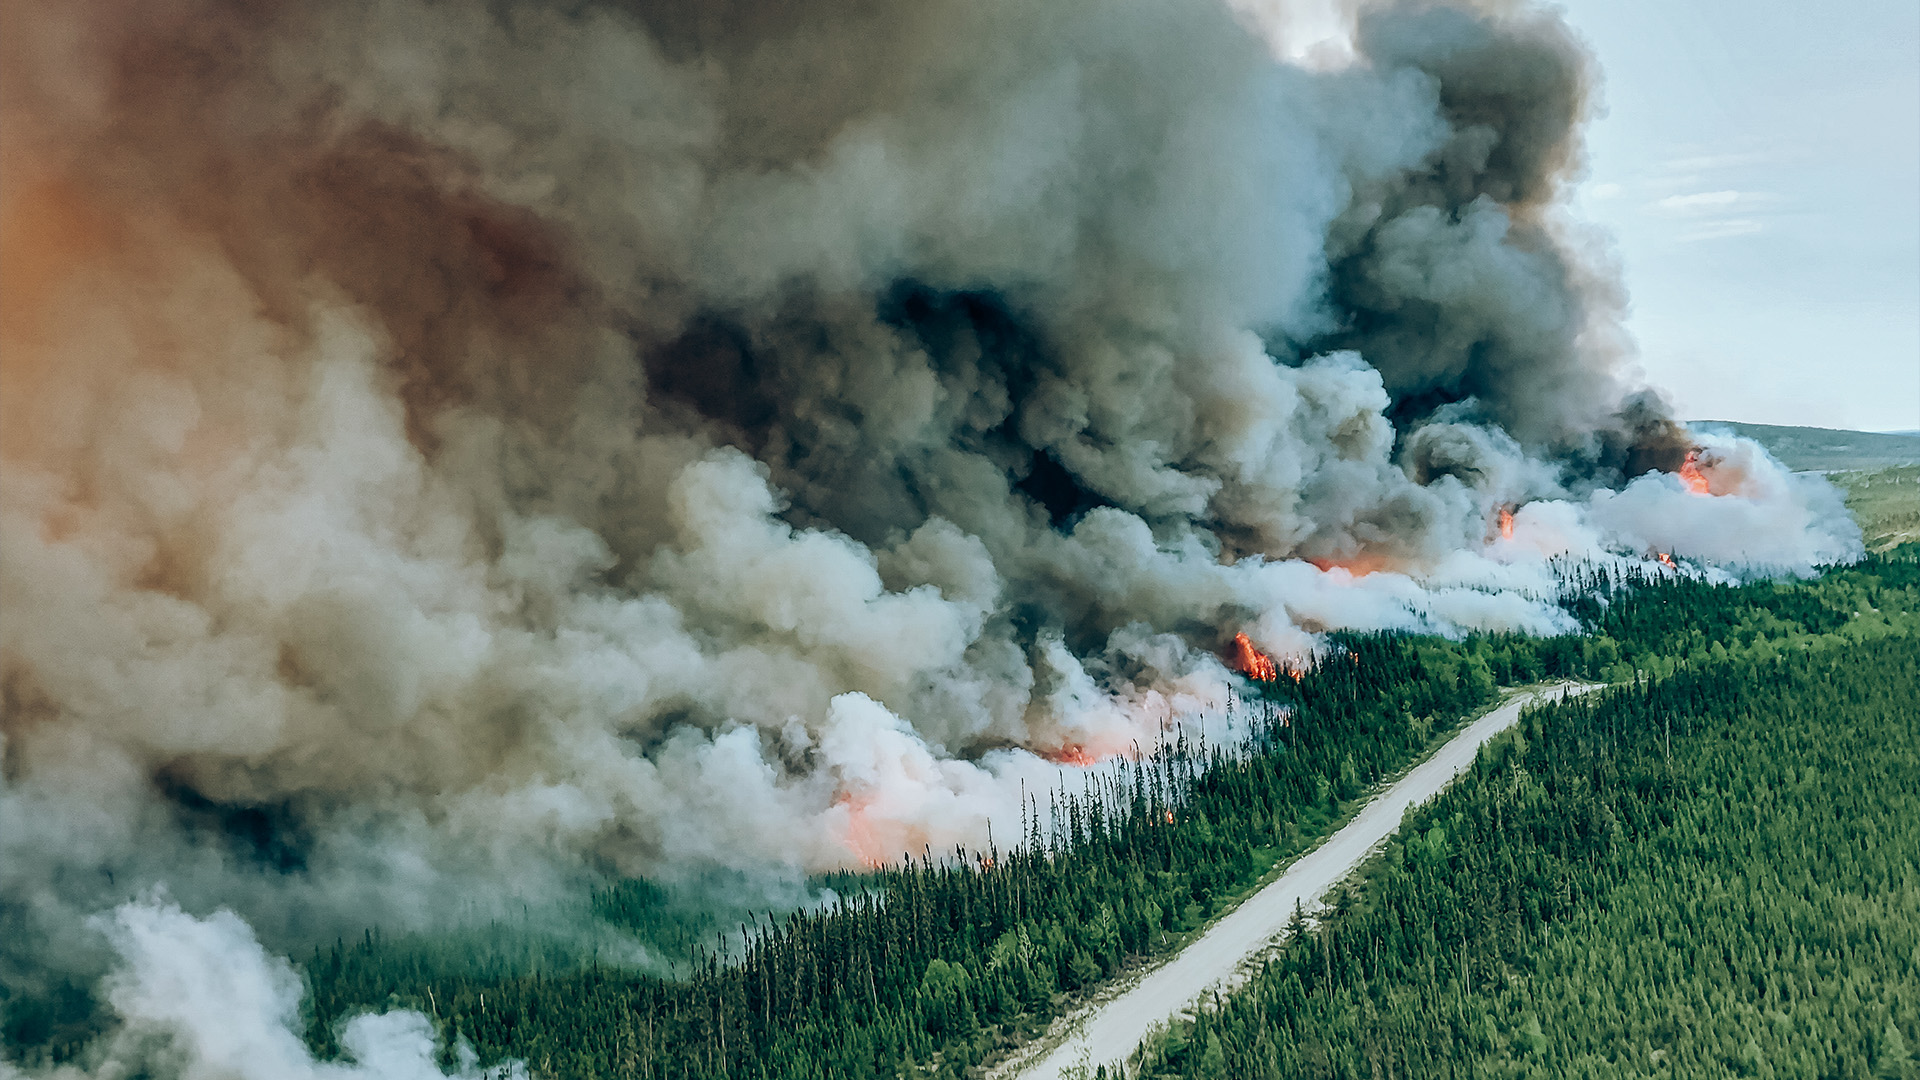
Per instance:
(457,451)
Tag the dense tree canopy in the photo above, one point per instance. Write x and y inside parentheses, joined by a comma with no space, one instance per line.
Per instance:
(1584,898)
(1713,874)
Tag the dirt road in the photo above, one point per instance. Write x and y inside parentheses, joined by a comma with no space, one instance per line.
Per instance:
(1107,1031)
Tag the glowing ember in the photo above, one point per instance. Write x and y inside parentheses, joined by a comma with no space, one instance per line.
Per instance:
(1691,475)
(1506,523)
(1073,755)
(1253,663)
(1169,817)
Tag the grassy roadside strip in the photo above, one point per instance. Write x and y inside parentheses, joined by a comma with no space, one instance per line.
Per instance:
(1075,1006)
(1712,874)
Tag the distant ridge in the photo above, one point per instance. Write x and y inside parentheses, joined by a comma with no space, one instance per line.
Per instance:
(1813,449)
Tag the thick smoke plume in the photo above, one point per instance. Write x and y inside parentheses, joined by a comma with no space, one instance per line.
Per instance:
(199,998)
(455,451)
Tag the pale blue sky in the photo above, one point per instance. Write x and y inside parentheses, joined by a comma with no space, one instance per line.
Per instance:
(1759,169)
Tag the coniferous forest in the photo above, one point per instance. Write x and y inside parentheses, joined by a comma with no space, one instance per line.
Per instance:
(1712,874)
(951,957)
(1707,870)
(512,513)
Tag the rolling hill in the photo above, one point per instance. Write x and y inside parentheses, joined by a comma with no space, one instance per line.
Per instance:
(1812,449)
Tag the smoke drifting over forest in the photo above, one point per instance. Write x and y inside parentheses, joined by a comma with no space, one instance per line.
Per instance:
(454,451)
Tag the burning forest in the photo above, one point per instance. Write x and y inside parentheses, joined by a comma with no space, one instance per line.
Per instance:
(453,453)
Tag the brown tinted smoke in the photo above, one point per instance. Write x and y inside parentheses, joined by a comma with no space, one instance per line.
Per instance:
(452,450)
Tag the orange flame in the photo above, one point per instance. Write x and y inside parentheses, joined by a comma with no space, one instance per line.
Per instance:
(1359,565)
(862,836)
(1691,475)
(1169,817)
(1073,755)
(1665,559)
(1506,523)
(1253,663)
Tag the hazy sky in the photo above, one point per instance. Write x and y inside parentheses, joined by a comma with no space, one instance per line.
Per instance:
(1759,168)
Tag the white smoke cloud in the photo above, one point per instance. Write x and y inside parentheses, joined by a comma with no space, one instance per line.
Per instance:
(199,999)
(1756,514)
(451,453)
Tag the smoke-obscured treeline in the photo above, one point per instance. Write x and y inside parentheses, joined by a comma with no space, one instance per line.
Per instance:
(463,451)
(456,456)
(950,959)
(1708,875)
(946,959)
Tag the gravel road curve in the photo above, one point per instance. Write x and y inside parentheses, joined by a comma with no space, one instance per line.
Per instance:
(1107,1031)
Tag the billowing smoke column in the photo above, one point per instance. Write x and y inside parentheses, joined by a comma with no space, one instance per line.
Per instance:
(455,450)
